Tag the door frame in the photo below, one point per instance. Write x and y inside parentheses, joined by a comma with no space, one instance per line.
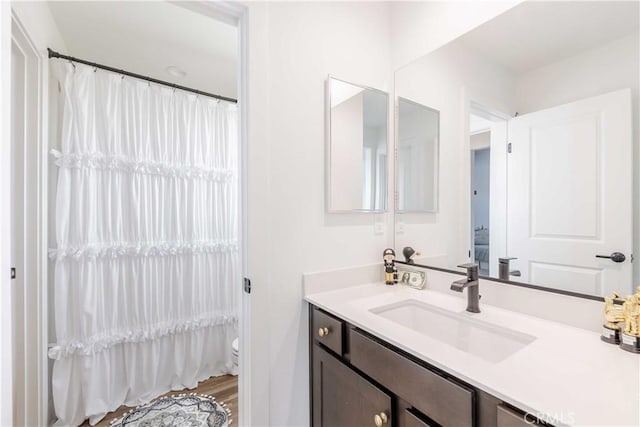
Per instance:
(35,226)
(230,12)
(6,313)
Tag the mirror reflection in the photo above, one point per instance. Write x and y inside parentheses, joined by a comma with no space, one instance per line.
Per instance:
(417,161)
(357,147)
(538,171)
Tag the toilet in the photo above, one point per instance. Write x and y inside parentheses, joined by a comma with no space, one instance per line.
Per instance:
(234,353)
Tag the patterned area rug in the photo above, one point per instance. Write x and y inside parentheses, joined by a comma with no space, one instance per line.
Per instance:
(184,410)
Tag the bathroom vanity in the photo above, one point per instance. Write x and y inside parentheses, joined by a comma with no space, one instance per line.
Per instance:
(359,380)
(395,356)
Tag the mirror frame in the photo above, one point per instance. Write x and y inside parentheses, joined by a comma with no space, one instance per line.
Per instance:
(510,282)
(436,183)
(327,157)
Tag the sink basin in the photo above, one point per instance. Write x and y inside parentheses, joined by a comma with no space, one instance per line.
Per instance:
(485,340)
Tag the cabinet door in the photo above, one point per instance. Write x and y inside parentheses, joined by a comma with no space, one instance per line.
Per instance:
(342,398)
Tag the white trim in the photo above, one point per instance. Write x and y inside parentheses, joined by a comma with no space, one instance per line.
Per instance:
(6,314)
(36,185)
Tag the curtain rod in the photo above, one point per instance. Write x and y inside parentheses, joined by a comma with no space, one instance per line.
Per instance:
(54,54)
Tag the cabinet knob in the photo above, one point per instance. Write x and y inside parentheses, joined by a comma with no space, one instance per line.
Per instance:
(323,332)
(380,419)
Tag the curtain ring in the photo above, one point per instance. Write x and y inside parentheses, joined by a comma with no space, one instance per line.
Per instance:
(73,65)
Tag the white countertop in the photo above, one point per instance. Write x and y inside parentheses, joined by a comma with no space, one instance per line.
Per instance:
(567,376)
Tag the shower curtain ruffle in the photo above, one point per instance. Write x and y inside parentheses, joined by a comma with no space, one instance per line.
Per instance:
(119,163)
(147,277)
(101,342)
(146,250)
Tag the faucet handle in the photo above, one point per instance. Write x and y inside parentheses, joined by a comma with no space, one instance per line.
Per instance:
(472,271)
(469,265)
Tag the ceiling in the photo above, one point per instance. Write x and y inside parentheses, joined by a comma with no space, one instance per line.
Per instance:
(147,37)
(538,33)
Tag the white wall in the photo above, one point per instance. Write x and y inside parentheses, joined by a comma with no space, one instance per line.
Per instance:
(447,80)
(347,138)
(606,68)
(37,19)
(375,170)
(420,27)
(294,46)
(416,158)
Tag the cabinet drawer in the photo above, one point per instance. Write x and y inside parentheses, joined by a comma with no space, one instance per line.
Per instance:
(327,330)
(507,417)
(409,419)
(440,399)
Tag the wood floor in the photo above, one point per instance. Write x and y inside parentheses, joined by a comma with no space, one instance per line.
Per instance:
(223,388)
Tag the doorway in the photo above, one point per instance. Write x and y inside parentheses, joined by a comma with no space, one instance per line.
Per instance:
(480,162)
(481,166)
(488,187)
(28,391)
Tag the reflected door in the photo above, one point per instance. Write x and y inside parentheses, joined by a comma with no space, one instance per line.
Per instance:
(570,194)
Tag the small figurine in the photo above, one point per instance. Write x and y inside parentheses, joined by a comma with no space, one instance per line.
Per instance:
(631,314)
(390,271)
(630,339)
(612,316)
(613,311)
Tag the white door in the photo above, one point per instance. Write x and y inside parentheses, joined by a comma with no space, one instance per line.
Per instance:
(569,194)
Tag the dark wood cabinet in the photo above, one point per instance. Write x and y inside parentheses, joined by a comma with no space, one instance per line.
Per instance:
(328,330)
(360,380)
(445,401)
(342,398)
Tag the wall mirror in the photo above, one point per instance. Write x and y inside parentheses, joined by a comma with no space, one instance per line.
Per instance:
(538,148)
(356,143)
(417,157)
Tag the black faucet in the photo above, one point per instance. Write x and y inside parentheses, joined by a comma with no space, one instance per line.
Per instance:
(504,269)
(473,288)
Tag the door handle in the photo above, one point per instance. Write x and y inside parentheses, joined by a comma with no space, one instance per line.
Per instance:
(615,257)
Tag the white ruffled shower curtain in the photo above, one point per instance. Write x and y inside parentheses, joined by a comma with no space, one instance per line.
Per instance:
(147,274)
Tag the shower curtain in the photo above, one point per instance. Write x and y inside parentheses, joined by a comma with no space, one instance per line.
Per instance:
(147,275)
